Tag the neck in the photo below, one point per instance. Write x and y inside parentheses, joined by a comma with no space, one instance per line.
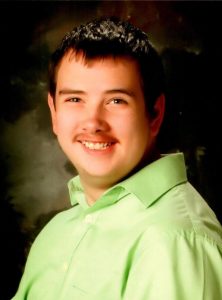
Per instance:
(92,192)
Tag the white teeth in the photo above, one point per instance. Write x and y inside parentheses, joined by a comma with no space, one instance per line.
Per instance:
(96,146)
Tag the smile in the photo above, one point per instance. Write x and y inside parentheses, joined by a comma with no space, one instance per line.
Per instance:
(96,146)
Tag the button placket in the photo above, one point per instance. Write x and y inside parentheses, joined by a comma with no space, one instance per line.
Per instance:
(89,219)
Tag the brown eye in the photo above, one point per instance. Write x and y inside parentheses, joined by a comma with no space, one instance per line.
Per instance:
(118,101)
(74,99)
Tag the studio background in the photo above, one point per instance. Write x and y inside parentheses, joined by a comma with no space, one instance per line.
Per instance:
(34,171)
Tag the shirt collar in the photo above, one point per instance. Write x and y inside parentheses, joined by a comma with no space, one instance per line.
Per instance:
(154,180)
(77,195)
(148,184)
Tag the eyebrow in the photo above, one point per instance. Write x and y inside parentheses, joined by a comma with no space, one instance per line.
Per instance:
(121,91)
(70,91)
(112,91)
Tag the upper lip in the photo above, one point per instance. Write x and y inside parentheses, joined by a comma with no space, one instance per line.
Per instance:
(96,142)
(96,139)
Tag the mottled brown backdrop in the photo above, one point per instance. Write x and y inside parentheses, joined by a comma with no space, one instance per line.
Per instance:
(34,170)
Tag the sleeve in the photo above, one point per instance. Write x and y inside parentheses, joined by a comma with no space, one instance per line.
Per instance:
(176,267)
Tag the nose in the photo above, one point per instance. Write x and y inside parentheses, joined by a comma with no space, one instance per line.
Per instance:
(95,120)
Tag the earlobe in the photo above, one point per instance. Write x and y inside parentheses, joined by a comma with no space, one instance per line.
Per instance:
(157,120)
(53,112)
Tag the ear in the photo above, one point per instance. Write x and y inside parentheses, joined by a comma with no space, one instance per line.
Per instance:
(52,108)
(157,120)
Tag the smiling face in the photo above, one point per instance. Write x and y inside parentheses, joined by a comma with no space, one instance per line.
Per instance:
(100,118)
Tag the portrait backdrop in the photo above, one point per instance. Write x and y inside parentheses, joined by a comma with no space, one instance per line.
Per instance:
(34,170)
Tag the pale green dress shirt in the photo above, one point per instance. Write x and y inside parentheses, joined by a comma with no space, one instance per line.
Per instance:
(150,237)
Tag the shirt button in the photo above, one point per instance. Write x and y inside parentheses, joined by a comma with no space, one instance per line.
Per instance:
(64,267)
(89,219)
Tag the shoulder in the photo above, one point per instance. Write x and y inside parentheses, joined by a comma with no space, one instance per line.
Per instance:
(182,211)
(172,243)
(181,217)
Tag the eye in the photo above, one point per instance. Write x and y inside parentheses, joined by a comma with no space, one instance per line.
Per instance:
(74,99)
(118,101)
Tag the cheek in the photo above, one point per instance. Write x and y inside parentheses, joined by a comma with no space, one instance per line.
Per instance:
(65,124)
(134,133)
(138,126)
(142,134)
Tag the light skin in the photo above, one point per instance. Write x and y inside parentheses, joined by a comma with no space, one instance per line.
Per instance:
(100,120)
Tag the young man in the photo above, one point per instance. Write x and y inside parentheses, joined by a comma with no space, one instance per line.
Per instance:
(137,229)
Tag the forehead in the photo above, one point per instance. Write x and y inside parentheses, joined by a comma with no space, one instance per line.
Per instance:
(88,58)
(74,64)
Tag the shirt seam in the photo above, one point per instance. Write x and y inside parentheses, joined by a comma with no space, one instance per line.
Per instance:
(185,233)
